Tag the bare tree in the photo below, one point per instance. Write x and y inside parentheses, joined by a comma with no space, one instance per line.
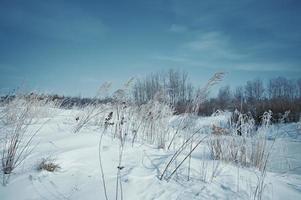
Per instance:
(239,97)
(299,88)
(258,89)
(254,90)
(224,97)
(174,82)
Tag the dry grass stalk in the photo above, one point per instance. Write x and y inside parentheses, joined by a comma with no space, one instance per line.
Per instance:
(16,144)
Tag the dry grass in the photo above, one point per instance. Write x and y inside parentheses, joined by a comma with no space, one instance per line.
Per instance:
(244,145)
(49,165)
(16,144)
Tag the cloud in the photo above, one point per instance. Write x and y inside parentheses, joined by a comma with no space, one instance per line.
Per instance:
(178,28)
(214,45)
(249,31)
(214,50)
(219,64)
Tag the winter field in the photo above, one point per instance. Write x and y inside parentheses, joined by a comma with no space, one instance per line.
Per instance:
(150,100)
(122,151)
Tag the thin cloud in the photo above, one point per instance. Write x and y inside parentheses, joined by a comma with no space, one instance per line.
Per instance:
(178,28)
(215,46)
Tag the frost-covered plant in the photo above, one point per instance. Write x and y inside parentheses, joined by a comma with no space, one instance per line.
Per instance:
(155,123)
(119,119)
(299,125)
(93,111)
(193,139)
(107,123)
(209,169)
(17,139)
(244,145)
(199,98)
(87,114)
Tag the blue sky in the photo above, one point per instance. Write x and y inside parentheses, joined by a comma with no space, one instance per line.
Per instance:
(71,47)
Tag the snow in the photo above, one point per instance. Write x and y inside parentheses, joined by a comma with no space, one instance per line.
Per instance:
(79,176)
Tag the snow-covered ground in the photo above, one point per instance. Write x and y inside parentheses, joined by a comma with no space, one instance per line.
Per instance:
(80,178)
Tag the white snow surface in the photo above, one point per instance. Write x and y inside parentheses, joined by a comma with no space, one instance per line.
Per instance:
(79,176)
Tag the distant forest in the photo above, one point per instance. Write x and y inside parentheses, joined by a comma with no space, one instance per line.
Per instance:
(280,95)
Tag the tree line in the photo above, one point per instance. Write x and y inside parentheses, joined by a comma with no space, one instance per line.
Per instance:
(280,95)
